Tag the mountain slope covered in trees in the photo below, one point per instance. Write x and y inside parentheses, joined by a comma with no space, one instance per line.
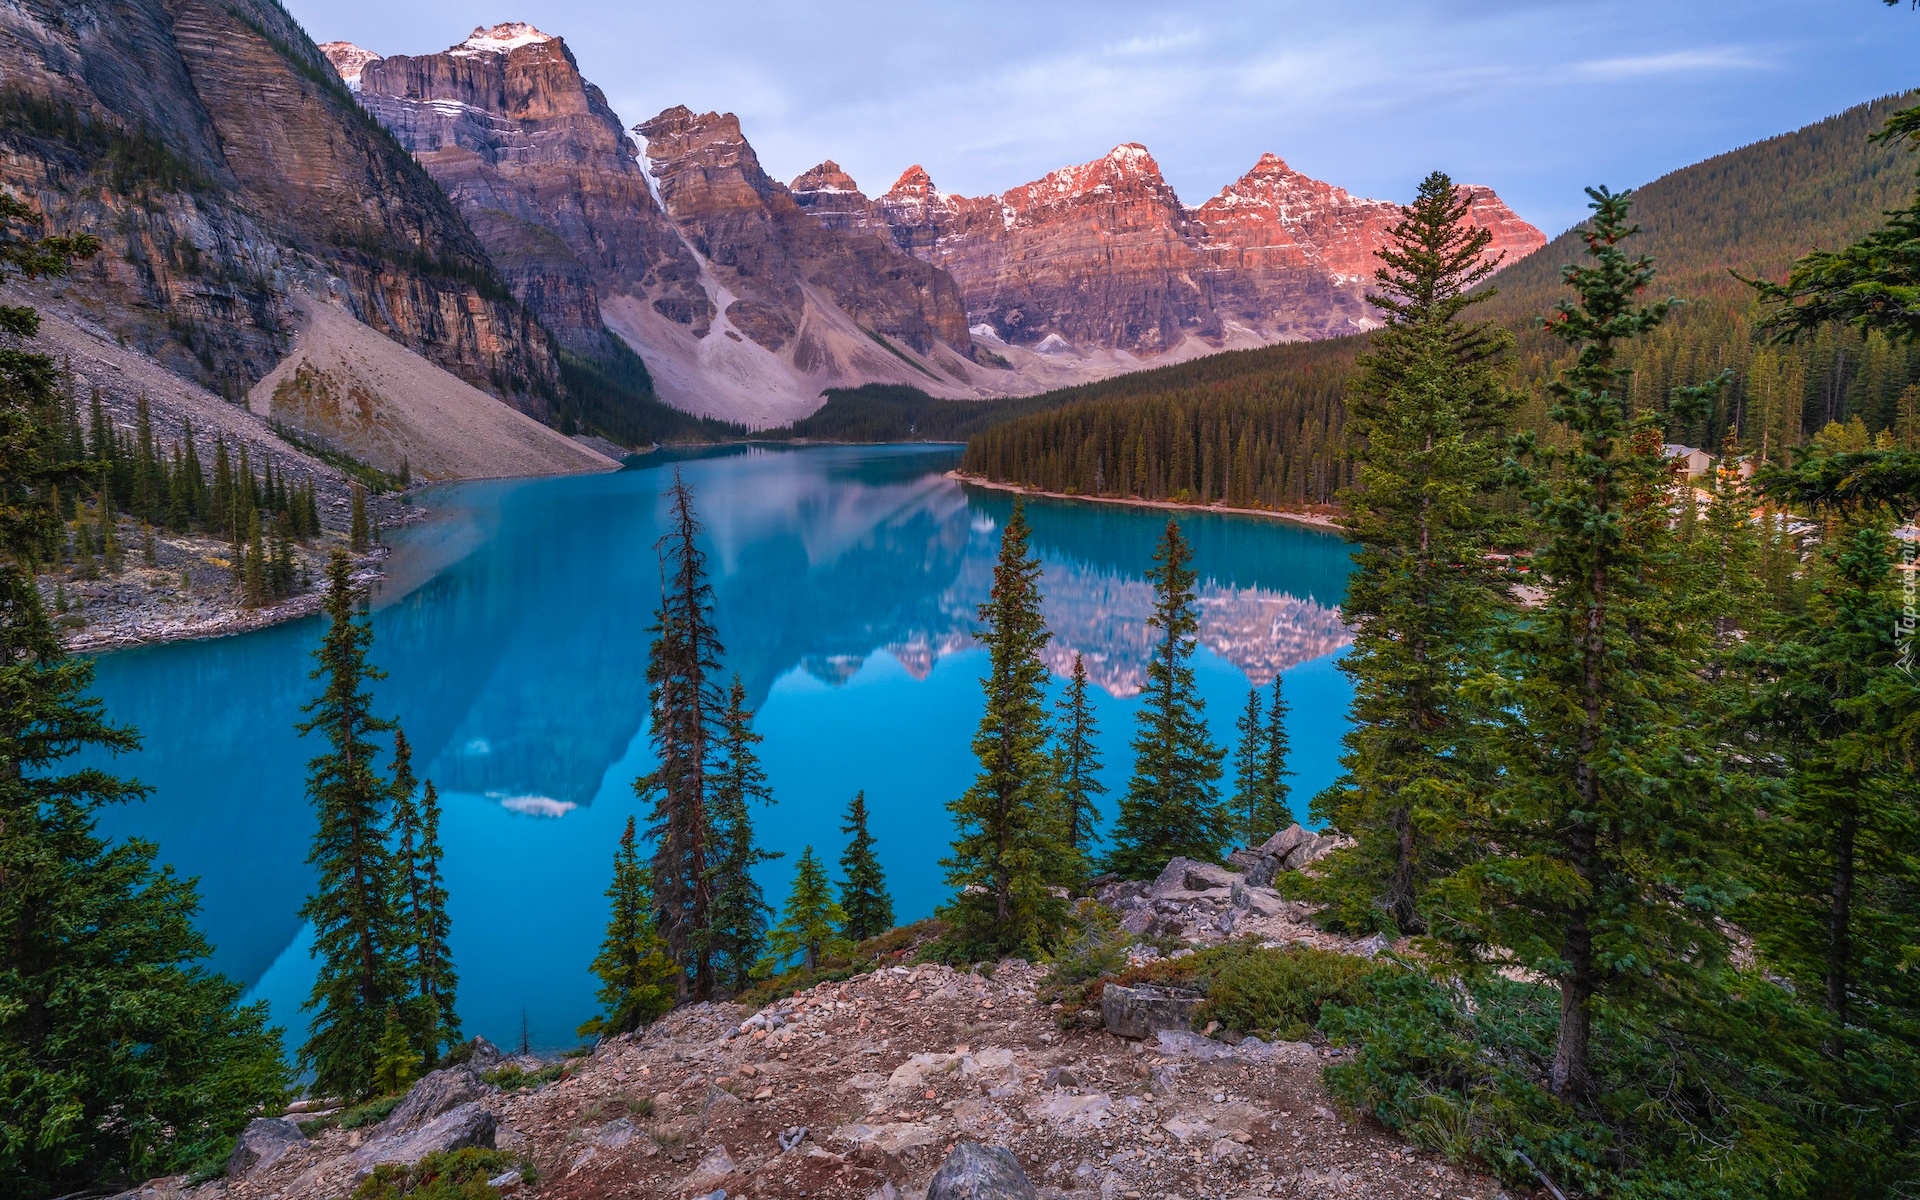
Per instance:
(1752,210)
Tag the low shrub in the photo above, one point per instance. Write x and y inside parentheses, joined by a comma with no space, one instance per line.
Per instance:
(1726,1093)
(454,1175)
(1279,994)
(513,1075)
(897,945)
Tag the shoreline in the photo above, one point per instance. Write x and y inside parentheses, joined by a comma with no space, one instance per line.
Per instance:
(1321,521)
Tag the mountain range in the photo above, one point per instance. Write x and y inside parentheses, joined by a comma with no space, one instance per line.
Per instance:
(266,206)
(747,297)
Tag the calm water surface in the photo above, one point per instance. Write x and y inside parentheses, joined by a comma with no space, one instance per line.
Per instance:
(512,629)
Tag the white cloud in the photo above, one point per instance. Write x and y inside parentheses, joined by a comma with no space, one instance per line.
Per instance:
(1673,62)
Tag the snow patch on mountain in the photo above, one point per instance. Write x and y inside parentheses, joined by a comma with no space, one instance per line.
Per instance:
(501,39)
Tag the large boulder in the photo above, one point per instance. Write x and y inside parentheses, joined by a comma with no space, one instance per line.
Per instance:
(1190,875)
(466,1127)
(1141,1012)
(437,1092)
(976,1172)
(1281,844)
(262,1143)
(483,1055)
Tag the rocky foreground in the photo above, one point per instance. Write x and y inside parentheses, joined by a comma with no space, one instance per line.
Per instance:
(862,1089)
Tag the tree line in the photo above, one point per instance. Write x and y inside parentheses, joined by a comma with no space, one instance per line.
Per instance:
(1173,433)
(1650,822)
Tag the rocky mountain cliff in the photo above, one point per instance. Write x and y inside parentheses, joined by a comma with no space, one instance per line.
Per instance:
(542,171)
(1104,255)
(739,304)
(225,168)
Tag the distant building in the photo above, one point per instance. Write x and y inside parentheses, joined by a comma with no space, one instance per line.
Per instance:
(1695,461)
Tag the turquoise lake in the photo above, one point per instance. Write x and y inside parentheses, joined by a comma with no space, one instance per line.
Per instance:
(513,630)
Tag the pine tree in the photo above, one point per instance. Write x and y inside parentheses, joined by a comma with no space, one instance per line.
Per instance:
(1273,765)
(358,938)
(637,976)
(254,580)
(220,495)
(1249,763)
(396,1060)
(685,708)
(1077,762)
(1611,806)
(736,933)
(1427,405)
(121,1056)
(420,905)
(280,566)
(1010,843)
(358,537)
(810,922)
(435,981)
(1172,806)
(863,885)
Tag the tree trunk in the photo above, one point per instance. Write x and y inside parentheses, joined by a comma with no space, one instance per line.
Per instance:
(1572,1078)
(1400,902)
(1840,919)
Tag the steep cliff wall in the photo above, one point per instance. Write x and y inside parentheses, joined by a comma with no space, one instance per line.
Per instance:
(217,156)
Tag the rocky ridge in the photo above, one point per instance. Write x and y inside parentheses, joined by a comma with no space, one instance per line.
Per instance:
(541,170)
(863,1089)
(215,154)
(1104,255)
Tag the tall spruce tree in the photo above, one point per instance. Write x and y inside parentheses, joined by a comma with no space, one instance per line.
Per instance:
(863,885)
(1426,406)
(420,899)
(1602,867)
(636,974)
(435,981)
(1249,771)
(1076,762)
(685,708)
(121,1056)
(359,938)
(1010,845)
(1172,806)
(736,933)
(1274,772)
(810,921)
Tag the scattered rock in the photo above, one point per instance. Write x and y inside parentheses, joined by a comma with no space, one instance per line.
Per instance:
(437,1092)
(1188,875)
(1184,1043)
(976,1172)
(459,1129)
(484,1055)
(1282,844)
(715,1166)
(262,1143)
(1144,1011)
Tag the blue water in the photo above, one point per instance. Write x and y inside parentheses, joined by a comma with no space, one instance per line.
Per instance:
(512,629)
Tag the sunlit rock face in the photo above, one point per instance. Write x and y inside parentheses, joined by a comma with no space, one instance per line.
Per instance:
(1105,255)
(542,170)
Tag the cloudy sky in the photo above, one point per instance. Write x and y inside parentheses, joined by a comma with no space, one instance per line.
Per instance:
(1535,97)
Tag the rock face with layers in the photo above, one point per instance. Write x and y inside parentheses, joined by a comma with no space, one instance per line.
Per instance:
(1104,255)
(541,169)
(748,226)
(1101,254)
(210,148)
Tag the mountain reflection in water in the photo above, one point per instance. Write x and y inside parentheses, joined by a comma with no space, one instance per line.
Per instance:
(513,630)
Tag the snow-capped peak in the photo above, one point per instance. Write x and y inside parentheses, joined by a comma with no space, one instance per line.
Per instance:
(348,60)
(502,38)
